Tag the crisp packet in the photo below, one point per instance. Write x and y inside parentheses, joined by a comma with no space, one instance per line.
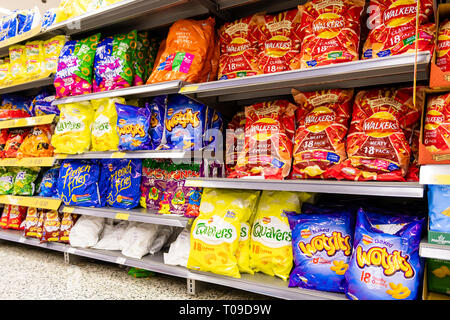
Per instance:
(140,66)
(24,181)
(49,183)
(15,138)
(133,126)
(439,208)
(125,179)
(34,52)
(52,48)
(184,123)
(6,180)
(156,131)
(37,143)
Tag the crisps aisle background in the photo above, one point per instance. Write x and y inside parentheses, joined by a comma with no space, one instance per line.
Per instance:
(225,149)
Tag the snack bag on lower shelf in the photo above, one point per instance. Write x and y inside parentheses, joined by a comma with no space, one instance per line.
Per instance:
(178,253)
(439,208)
(133,126)
(436,126)
(243,250)
(17,66)
(270,244)
(322,245)
(24,181)
(6,180)
(377,146)
(330,32)
(49,183)
(104,134)
(17,215)
(31,222)
(51,226)
(37,143)
(153,172)
(234,141)
(322,124)
(269,131)
(438,275)
(5,74)
(15,106)
(157,106)
(113,63)
(78,183)
(16,136)
(75,67)
(73,130)
(67,222)
(5,216)
(86,231)
(40,223)
(138,238)
(385,263)
(215,232)
(185,53)
(125,178)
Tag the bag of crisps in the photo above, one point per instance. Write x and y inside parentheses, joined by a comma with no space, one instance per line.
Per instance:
(141,62)
(279,41)
(16,136)
(125,179)
(436,125)
(234,141)
(51,226)
(385,263)
(75,67)
(17,215)
(215,232)
(243,250)
(31,222)
(113,64)
(17,65)
(73,130)
(24,181)
(104,134)
(439,208)
(330,32)
(37,143)
(34,52)
(5,74)
(443,46)
(133,126)
(67,222)
(6,180)
(5,216)
(377,147)
(52,49)
(269,131)
(239,48)
(322,124)
(186,51)
(393,28)
(271,247)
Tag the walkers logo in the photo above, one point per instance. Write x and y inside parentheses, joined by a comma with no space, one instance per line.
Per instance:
(328,25)
(399,13)
(381,125)
(319,119)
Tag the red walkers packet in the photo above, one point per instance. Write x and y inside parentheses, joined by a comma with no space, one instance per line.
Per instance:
(67,222)
(437,123)
(5,216)
(50,227)
(31,222)
(16,216)
(443,47)
(234,140)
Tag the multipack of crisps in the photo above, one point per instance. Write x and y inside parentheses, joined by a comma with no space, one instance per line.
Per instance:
(443,47)
(234,141)
(279,42)
(34,52)
(322,241)
(186,52)
(239,48)
(269,131)
(385,263)
(377,145)
(392,27)
(437,123)
(215,232)
(330,32)
(322,124)
(270,244)
(17,65)
(52,48)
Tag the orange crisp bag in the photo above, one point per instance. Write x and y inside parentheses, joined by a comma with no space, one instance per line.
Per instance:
(37,143)
(186,52)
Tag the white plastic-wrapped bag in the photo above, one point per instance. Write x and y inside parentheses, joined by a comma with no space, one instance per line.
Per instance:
(112,236)
(138,238)
(86,231)
(179,250)
(164,233)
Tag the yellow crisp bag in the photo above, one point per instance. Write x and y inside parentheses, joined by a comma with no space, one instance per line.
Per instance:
(5,75)
(17,66)
(215,232)
(104,134)
(73,131)
(270,243)
(34,59)
(52,48)
(243,250)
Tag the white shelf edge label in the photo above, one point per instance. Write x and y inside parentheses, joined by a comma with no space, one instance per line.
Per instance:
(71,250)
(121,260)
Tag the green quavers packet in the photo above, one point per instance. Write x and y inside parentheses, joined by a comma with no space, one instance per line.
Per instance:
(6,180)
(84,52)
(139,59)
(24,181)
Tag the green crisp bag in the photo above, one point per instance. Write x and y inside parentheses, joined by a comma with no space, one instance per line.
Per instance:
(6,181)
(24,181)
(139,62)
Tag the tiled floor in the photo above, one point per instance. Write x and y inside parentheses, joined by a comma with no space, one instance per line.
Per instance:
(36,273)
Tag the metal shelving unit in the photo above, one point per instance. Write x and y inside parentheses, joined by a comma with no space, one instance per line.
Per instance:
(434,251)
(142,154)
(38,83)
(137,215)
(374,188)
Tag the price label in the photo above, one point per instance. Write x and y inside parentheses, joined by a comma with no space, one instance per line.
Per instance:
(68,209)
(122,216)
(71,250)
(193,183)
(188,89)
(61,156)
(121,260)
(118,155)
(35,202)
(22,239)
(30,121)
(442,179)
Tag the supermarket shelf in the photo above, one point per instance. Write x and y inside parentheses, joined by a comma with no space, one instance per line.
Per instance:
(27,122)
(387,70)
(35,84)
(131,92)
(373,188)
(434,174)
(28,162)
(434,251)
(266,285)
(137,215)
(31,201)
(141,154)
(257,283)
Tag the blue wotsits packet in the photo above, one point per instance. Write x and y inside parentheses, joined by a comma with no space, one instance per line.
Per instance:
(385,263)
(184,123)
(439,207)
(132,126)
(125,181)
(49,183)
(322,246)
(157,108)
(78,183)
(214,133)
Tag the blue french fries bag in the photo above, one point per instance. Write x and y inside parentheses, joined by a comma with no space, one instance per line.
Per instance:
(125,181)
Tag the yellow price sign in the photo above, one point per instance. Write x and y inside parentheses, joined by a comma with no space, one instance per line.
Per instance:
(122,216)
(68,209)
(441,179)
(118,155)
(35,202)
(188,89)
(30,121)
(28,162)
